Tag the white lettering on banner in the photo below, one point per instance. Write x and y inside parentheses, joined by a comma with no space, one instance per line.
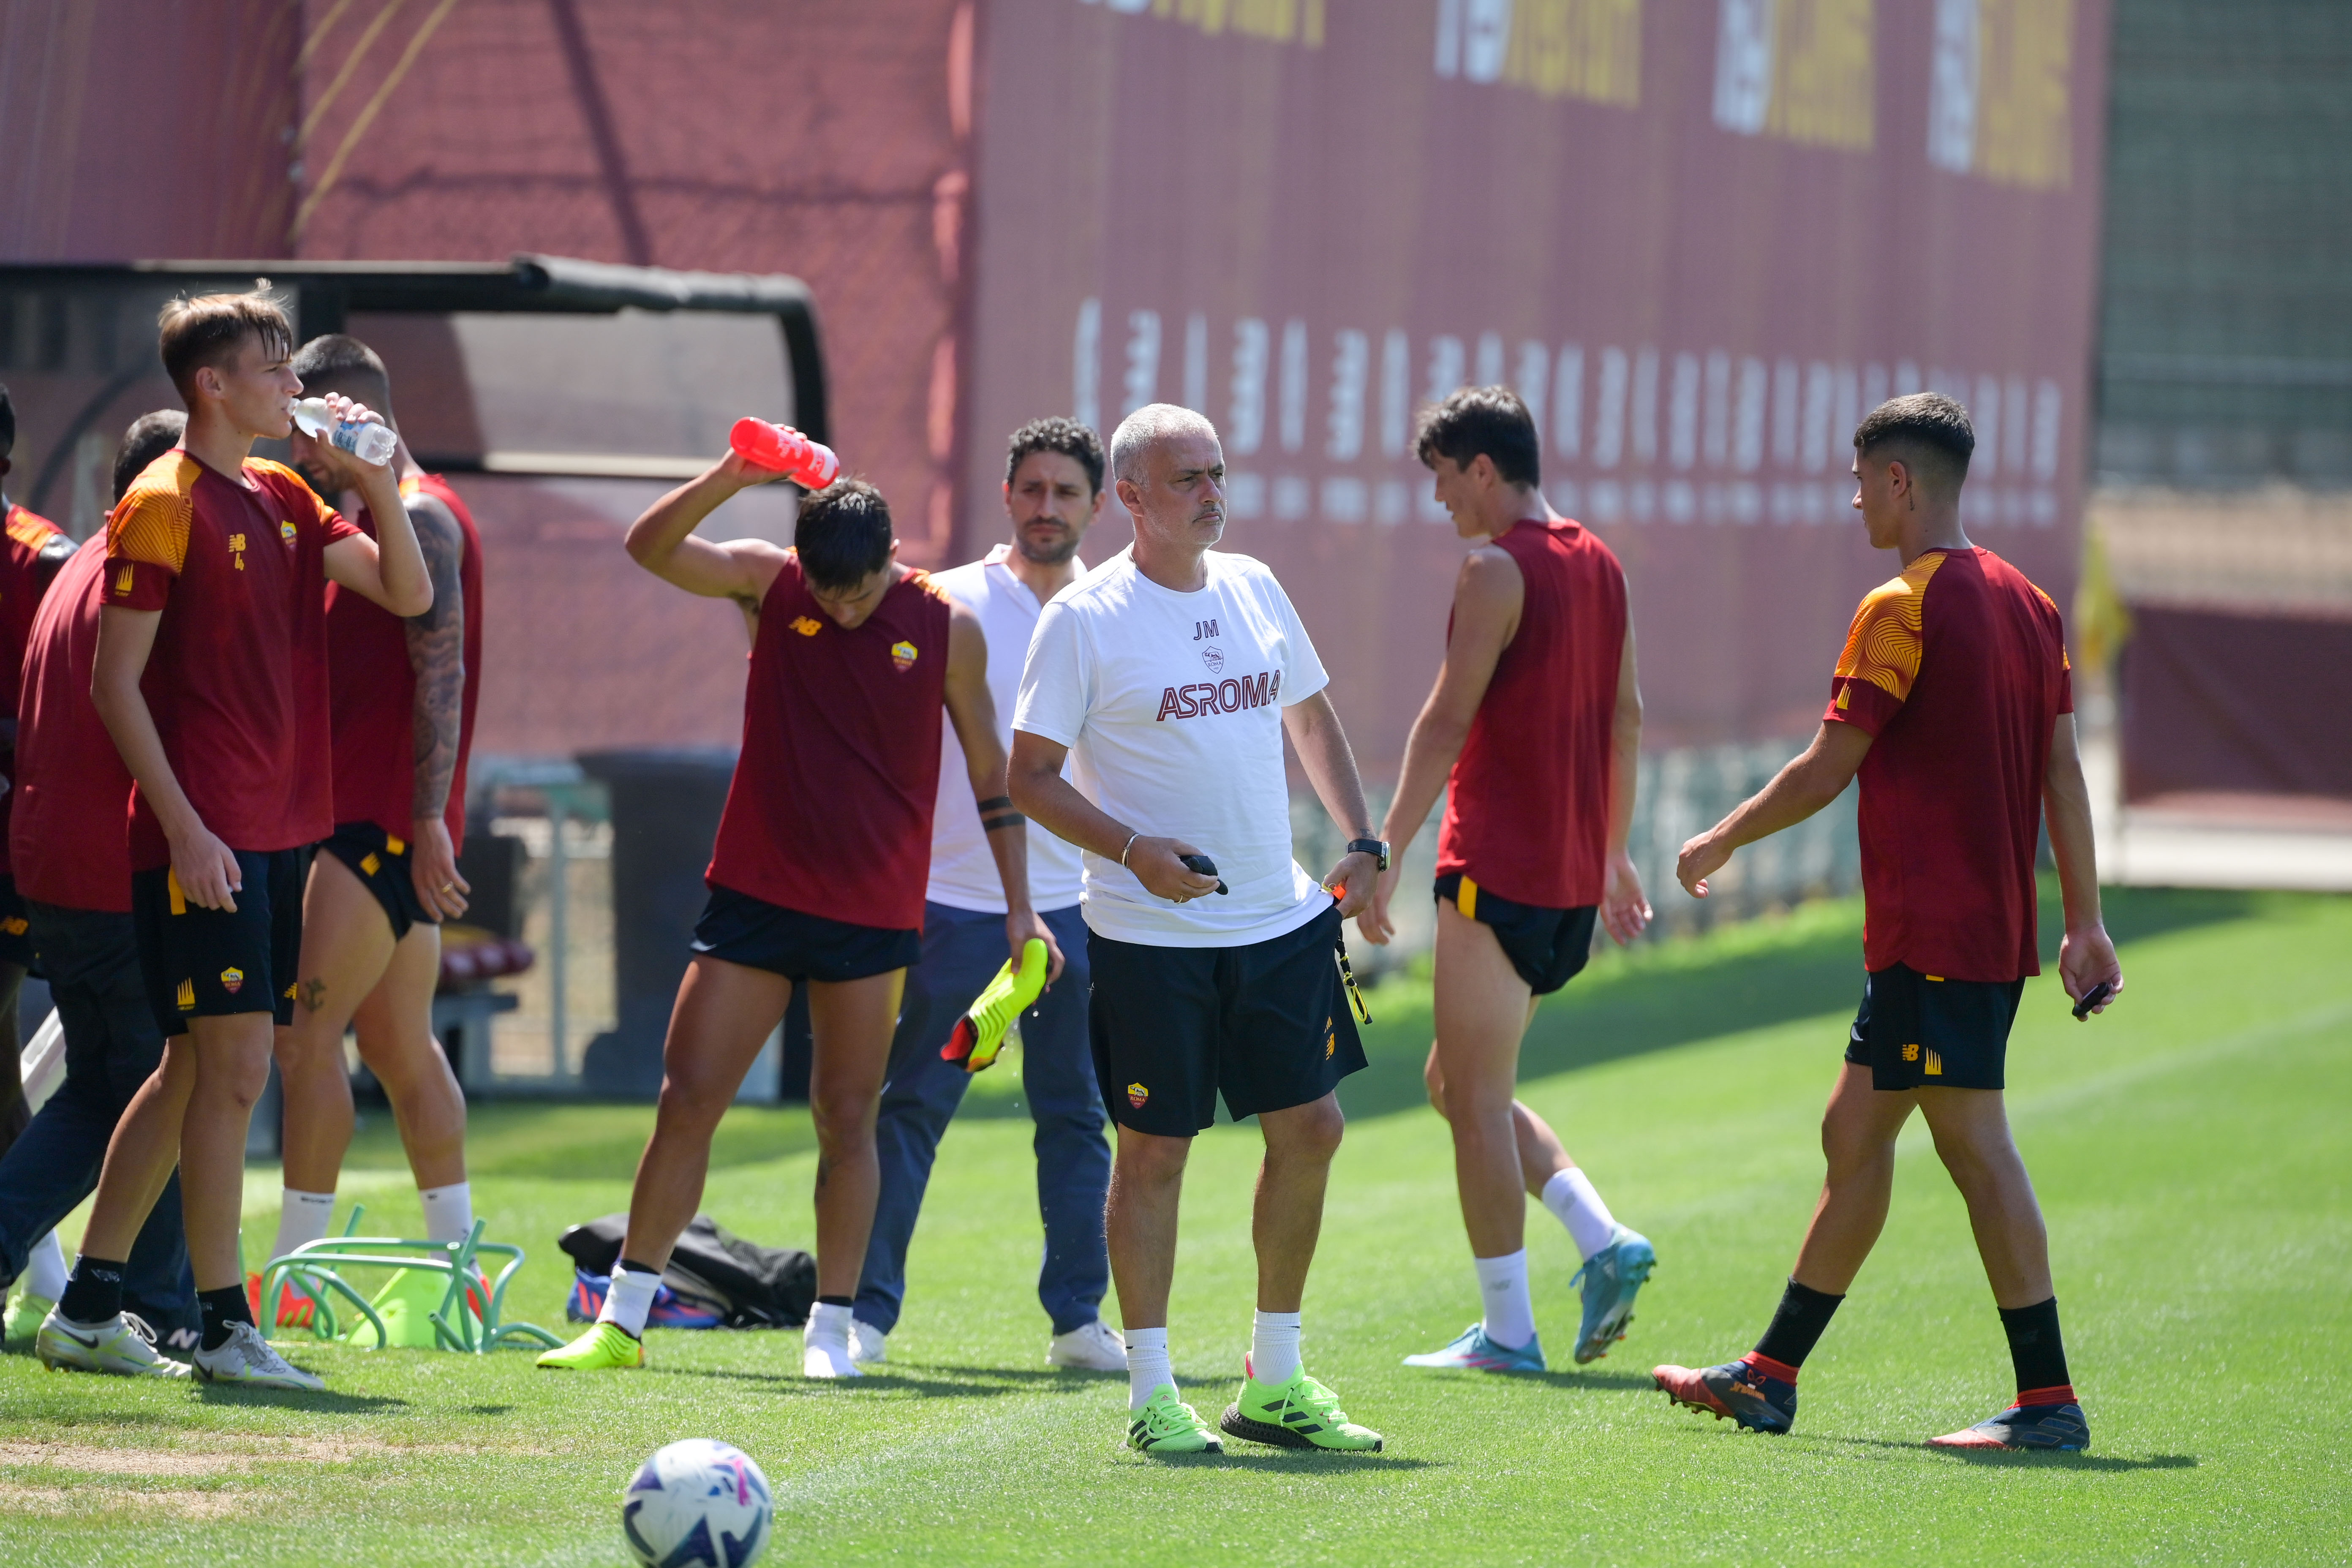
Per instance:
(1085,370)
(1142,384)
(1396,393)
(1788,422)
(1351,362)
(1952,88)
(1293,384)
(1490,360)
(1245,427)
(1743,66)
(1681,420)
(1568,403)
(1445,362)
(1645,406)
(1196,363)
(1535,373)
(1609,413)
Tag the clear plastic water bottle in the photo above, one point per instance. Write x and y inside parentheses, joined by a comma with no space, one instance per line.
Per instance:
(371,444)
(783,450)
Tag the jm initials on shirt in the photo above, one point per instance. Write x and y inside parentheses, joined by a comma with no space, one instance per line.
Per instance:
(1227,696)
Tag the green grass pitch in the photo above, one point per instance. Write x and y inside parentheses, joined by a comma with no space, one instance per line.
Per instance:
(2191,1153)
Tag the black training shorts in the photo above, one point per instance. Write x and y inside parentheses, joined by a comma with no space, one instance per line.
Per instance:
(1920,1031)
(382,861)
(214,964)
(1266,1024)
(1547,947)
(16,930)
(752,931)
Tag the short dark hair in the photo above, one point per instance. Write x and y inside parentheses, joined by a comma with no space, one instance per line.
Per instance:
(1928,430)
(149,437)
(844,534)
(339,362)
(7,422)
(1057,434)
(1489,419)
(212,327)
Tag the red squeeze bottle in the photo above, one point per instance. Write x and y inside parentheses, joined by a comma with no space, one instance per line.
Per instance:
(809,464)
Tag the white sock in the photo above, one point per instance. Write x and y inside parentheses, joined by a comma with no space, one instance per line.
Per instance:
(1510,1320)
(302,1219)
(44,1270)
(448,1212)
(627,1300)
(828,1322)
(1571,1197)
(1273,1348)
(1146,1365)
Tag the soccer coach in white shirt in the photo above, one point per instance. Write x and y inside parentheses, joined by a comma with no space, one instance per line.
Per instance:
(1162,674)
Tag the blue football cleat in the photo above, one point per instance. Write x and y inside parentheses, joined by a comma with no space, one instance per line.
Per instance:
(1474,1352)
(1750,1390)
(2060,1427)
(1612,1277)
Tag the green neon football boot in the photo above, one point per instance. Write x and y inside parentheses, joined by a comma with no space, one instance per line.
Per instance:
(605,1347)
(1300,1414)
(1166,1425)
(980,1034)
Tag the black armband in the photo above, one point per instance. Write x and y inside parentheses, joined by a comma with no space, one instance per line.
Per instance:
(996,803)
(1005,819)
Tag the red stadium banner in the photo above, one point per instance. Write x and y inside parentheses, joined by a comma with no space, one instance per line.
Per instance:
(1701,237)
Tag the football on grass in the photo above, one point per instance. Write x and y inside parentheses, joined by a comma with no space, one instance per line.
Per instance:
(698,1501)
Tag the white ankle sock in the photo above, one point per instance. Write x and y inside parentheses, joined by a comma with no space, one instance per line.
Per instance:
(448,1212)
(302,1219)
(627,1300)
(828,1320)
(1273,1348)
(1146,1365)
(1510,1318)
(44,1270)
(1569,1197)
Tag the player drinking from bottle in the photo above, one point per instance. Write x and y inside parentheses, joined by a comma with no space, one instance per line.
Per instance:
(1534,734)
(401,701)
(211,675)
(1052,492)
(1170,675)
(1952,702)
(817,878)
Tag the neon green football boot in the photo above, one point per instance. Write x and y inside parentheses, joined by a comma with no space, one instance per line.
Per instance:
(1300,1414)
(1166,1425)
(980,1034)
(605,1347)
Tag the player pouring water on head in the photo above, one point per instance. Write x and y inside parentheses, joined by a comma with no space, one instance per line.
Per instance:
(1169,678)
(1534,734)
(817,878)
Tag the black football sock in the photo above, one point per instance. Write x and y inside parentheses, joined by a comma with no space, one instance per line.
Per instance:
(2039,1353)
(93,1290)
(222,1309)
(1798,1326)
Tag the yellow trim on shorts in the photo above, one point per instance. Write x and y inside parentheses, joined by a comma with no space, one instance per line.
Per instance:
(1467,898)
(172,886)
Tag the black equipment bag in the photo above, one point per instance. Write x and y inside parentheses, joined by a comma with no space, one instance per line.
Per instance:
(753,1286)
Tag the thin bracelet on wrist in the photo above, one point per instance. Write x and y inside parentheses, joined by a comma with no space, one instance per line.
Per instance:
(1125,847)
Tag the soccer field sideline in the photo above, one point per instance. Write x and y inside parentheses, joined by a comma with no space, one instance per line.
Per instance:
(2196,1202)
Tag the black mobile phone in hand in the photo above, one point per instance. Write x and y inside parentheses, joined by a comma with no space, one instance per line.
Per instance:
(1201,866)
(2091,998)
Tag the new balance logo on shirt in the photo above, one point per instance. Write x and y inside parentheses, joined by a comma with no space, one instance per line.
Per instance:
(1228,696)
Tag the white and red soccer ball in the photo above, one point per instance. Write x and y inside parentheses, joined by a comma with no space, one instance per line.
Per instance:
(700,1502)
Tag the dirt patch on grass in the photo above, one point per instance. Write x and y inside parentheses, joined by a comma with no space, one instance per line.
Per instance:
(58,1500)
(213,1456)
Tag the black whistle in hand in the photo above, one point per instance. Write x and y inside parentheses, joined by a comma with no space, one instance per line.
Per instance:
(2091,998)
(1201,864)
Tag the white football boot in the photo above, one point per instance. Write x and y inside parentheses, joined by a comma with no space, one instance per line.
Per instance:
(123,1345)
(245,1358)
(1092,1347)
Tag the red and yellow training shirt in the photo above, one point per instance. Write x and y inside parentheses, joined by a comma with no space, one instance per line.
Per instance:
(237,679)
(72,792)
(32,547)
(1957,668)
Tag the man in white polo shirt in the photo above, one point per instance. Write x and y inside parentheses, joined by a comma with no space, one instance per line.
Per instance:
(1053,493)
(1169,675)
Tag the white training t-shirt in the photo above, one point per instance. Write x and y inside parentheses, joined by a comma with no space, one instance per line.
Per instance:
(1171,706)
(964,871)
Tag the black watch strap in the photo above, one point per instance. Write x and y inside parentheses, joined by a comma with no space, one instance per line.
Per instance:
(1378,849)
